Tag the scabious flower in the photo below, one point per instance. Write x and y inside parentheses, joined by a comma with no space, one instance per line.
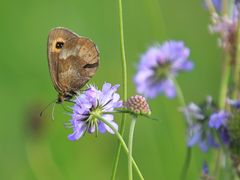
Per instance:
(158,65)
(94,101)
(198,132)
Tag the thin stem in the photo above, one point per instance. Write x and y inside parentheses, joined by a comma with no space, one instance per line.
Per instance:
(179,92)
(237,64)
(210,7)
(188,154)
(124,77)
(186,163)
(217,162)
(224,82)
(224,7)
(226,72)
(130,142)
(122,142)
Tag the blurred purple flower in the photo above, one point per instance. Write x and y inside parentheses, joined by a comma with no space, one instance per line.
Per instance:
(224,135)
(217,4)
(94,100)
(202,137)
(226,27)
(234,103)
(192,112)
(205,172)
(158,65)
(218,119)
(205,169)
(197,132)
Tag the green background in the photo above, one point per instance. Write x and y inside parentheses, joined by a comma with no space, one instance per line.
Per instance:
(159,147)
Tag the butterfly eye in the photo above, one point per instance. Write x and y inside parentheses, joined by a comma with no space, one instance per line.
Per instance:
(59,45)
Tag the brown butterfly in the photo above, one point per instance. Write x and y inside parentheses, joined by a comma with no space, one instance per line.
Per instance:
(72,61)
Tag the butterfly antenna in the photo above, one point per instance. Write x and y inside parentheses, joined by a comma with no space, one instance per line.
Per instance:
(53,110)
(41,113)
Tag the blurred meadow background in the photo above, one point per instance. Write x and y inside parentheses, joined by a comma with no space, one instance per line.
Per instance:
(32,150)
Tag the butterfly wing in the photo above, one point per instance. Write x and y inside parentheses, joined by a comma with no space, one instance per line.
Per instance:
(78,62)
(56,40)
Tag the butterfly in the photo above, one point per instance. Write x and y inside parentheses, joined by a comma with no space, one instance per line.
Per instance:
(72,61)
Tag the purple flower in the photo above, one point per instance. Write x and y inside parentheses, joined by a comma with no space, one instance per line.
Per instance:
(226,27)
(94,100)
(202,137)
(198,132)
(218,119)
(158,65)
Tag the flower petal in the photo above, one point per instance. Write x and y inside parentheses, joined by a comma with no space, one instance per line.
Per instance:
(169,89)
(101,127)
(109,129)
(77,133)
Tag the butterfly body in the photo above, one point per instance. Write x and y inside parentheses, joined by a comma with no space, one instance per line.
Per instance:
(72,61)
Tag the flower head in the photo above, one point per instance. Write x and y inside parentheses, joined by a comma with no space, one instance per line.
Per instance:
(226,27)
(94,101)
(197,120)
(158,65)
(138,105)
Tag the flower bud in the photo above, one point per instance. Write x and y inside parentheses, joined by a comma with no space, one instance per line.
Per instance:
(138,105)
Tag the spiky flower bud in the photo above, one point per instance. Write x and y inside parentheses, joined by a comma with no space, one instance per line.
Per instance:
(138,105)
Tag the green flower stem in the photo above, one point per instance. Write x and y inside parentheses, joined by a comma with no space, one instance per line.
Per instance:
(224,7)
(188,156)
(211,7)
(237,64)
(186,163)
(130,142)
(217,162)
(179,92)
(122,142)
(224,82)
(226,72)
(124,74)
